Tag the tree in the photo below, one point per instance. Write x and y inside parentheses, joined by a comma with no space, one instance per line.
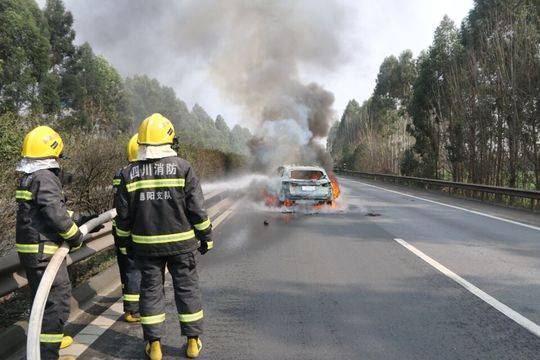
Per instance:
(395,81)
(240,137)
(429,107)
(501,43)
(211,137)
(95,92)
(221,125)
(147,96)
(473,103)
(61,36)
(49,93)
(409,164)
(24,55)
(61,33)
(373,136)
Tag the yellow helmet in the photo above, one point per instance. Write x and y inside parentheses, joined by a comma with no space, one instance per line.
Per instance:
(133,148)
(42,143)
(156,130)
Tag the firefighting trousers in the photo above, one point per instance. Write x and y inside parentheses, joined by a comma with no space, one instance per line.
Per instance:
(130,276)
(183,270)
(56,309)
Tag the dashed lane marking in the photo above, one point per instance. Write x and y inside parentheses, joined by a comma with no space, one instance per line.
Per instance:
(506,310)
(218,208)
(451,206)
(94,330)
(87,336)
(222,217)
(211,194)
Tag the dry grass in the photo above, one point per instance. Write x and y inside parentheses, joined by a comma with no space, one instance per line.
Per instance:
(92,160)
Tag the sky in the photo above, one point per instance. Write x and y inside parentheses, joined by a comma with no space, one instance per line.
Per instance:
(370,31)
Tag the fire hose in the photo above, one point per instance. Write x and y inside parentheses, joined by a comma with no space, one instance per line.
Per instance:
(38,307)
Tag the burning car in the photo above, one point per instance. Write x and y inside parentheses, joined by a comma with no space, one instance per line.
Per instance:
(304,185)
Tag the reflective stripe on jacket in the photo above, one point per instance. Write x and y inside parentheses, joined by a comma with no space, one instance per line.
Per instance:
(159,203)
(43,221)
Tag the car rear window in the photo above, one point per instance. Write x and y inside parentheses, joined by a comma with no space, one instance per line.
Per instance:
(306,174)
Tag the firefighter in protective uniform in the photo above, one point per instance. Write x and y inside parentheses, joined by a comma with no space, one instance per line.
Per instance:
(160,204)
(43,223)
(130,275)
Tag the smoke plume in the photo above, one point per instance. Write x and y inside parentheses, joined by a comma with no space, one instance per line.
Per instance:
(253,52)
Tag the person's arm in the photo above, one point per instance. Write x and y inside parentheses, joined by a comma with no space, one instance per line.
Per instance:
(50,201)
(122,220)
(196,213)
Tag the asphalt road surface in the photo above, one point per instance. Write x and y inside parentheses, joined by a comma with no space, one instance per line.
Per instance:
(339,286)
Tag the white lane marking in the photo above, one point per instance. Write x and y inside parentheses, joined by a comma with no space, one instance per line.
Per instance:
(221,217)
(94,330)
(451,206)
(506,310)
(211,194)
(87,336)
(216,209)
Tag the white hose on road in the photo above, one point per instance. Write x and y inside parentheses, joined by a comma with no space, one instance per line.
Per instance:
(38,307)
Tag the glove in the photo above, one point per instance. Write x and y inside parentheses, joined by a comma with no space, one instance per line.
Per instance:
(76,243)
(203,249)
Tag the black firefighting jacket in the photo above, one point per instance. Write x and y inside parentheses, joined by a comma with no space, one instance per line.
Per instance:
(160,205)
(43,221)
(121,242)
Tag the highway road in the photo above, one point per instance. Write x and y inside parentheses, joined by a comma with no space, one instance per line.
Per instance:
(428,277)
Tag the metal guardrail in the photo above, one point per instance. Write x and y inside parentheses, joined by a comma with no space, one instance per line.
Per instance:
(532,195)
(13,277)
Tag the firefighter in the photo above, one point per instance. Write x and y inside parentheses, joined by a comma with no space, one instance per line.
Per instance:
(160,204)
(130,275)
(43,223)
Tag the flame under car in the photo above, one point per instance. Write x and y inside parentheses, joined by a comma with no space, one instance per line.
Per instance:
(304,185)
